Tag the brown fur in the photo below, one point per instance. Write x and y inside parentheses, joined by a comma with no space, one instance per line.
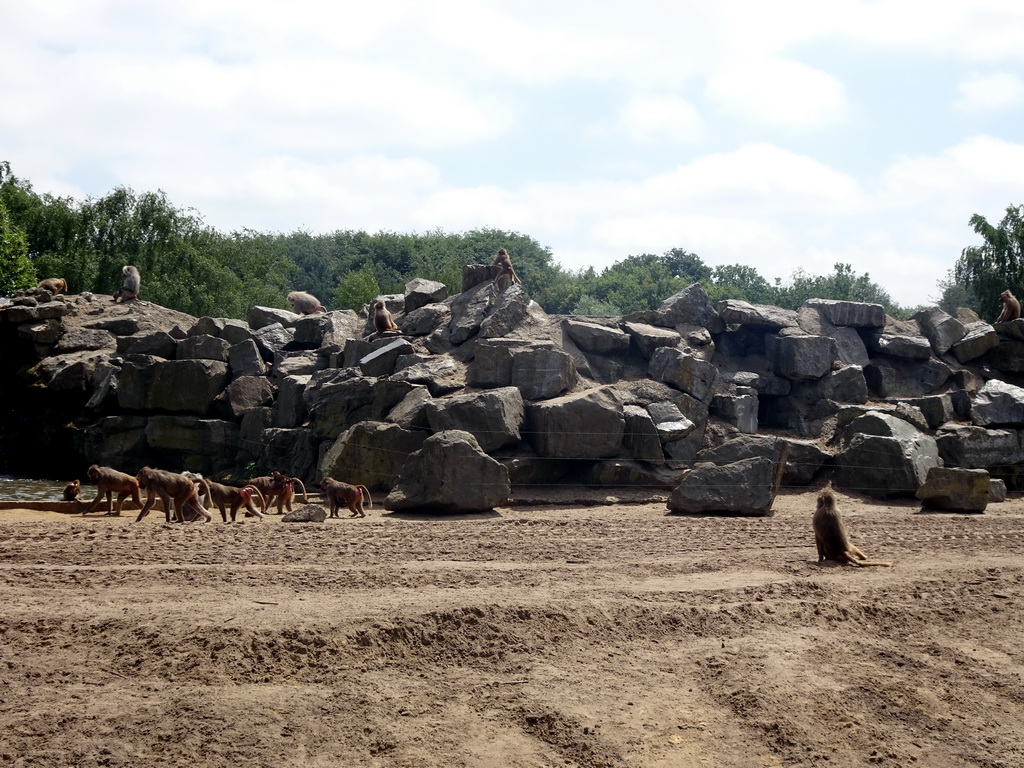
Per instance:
(54,285)
(170,486)
(506,275)
(341,494)
(225,496)
(129,289)
(1011,307)
(280,488)
(382,320)
(830,534)
(73,490)
(109,482)
(304,303)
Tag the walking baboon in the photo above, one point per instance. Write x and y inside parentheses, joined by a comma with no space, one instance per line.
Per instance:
(109,482)
(383,323)
(830,534)
(170,486)
(304,303)
(280,488)
(1011,307)
(54,285)
(129,289)
(225,496)
(341,494)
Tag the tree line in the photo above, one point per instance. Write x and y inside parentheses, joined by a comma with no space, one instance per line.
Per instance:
(195,268)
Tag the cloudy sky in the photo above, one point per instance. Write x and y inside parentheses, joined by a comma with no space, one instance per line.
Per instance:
(780,135)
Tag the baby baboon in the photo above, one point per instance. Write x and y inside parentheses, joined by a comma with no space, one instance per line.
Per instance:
(73,490)
(506,272)
(54,285)
(383,323)
(304,303)
(109,481)
(129,289)
(830,534)
(341,494)
(1011,307)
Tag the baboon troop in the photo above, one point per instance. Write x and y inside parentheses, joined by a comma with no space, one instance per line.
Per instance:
(304,303)
(108,482)
(340,494)
(129,289)
(383,323)
(1011,307)
(830,534)
(54,285)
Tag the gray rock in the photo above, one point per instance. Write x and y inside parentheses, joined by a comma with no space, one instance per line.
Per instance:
(648,338)
(955,490)
(420,292)
(640,437)
(424,320)
(586,425)
(203,347)
(599,339)
(291,406)
(736,312)
(245,359)
(998,404)
(245,393)
(307,513)
(850,313)
(450,474)
(683,371)
(262,317)
(803,357)
(745,487)
(976,447)
(885,467)
(941,329)
(173,385)
(494,417)
(689,307)
(979,338)
(542,373)
(371,453)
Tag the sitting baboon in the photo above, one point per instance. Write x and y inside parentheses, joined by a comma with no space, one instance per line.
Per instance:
(1011,307)
(109,481)
(304,303)
(170,487)
(73,490)
(383,323)
(340,494)
(54,285)
(129,289)
(830,534)
(506,275)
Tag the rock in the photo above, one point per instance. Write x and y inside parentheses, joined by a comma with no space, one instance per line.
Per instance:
(244,393)
(641,438)
(450,474)
(420,293)
(291,406)
(542,373)
(245,359)
(648,338)
(955,490)
(736,312)
(263,317)
(977,447)
(371,453)
(173,385)
(802,357)
(683,371)
(494,417)
(441,375)
(424,320)
(979,338)
(587,425)
(941,330)
(598,339)
(885,467)
(850,313)
(203,347)
(998,404)
(308,513)
(689,307)
(744,487)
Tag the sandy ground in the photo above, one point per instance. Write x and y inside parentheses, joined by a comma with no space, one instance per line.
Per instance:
(568,635)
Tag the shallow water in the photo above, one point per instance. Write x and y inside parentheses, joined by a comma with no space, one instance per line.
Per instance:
(25,489)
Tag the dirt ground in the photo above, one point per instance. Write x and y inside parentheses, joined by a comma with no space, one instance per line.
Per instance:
(558,635)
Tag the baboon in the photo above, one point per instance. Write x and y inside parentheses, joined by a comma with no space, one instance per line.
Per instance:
(383,323)
(129,289)
(170,486)
(73,491)
(278,487)
(830,534)
(304,303)
(54,285)
(1011,307)
(341,494)
(225,496)
(109,482)
(506,272)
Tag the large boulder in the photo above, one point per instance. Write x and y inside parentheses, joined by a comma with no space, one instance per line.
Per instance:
(998,404)
(858,314)
(371,453)
(955,490)
(450,474)
(941,329)
(976,447)
(493,417)
(745,487)
(584,425)
(683,371)
(188,386)
(690,307)
(542,373)
(885,467)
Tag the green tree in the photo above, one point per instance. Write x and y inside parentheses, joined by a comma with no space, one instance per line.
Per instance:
(842,285)
(356,289)
(997,264)
(738,281)
(953,295)
(16,270)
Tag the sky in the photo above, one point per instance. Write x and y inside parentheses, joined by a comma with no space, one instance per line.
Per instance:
(784,135)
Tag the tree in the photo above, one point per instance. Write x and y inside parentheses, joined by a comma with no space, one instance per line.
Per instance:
(953,295)
(988,269)
(738,281)
(16,270)
(356,289)
(842,285)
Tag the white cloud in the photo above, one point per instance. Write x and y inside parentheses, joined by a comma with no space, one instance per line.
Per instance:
(997,90)
(656,119)
(780,93)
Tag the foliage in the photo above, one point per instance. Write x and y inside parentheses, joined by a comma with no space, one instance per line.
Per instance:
(356,289)
(997,264)
(737,281)
(953,295)
(16,270)
(842,285)
(588,306)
